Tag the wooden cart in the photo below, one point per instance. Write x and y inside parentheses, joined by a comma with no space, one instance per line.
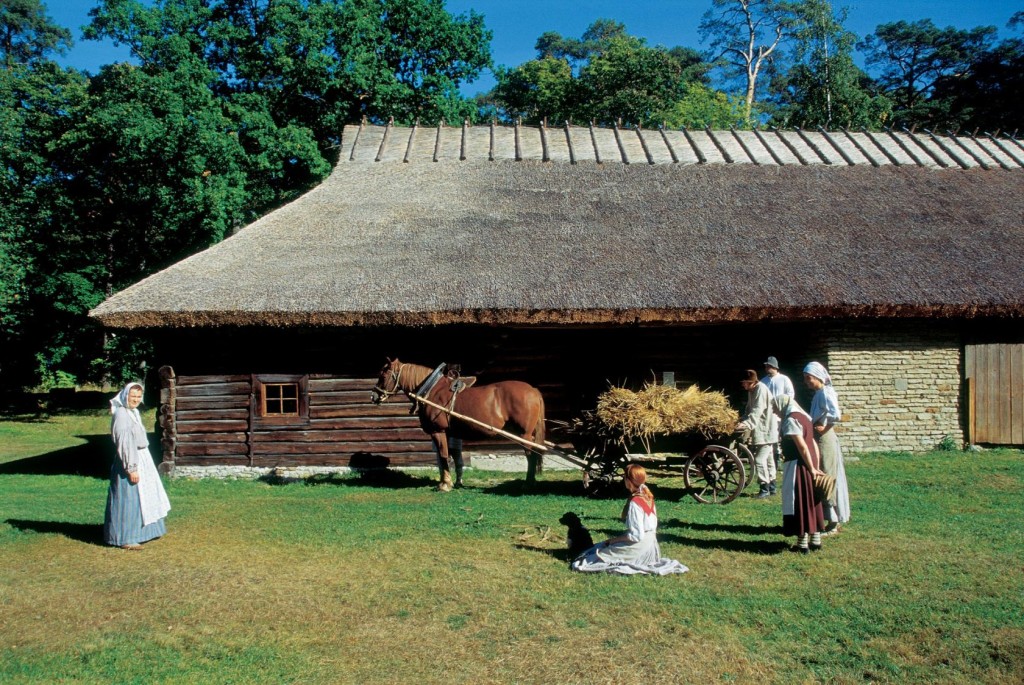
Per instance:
(713,473)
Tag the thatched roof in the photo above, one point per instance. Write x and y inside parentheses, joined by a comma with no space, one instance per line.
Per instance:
(517,225)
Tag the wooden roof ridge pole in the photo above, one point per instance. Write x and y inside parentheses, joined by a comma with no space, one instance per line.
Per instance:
(792,148)
(568,141)
(534,446)
(721,148)
(519,144)
(769,148)
(831,141)
(890,156)
(412,137)
(437,141)
(355,142)
(545,154)
(860,148)
(701,158)
(384,139)
(643,144)
(743,146)
(618,141)
(1010,153)
(462,145)
(931,153)
(593,141)
(814,146)
(948,150)
(905,147)
(982,162)
(1000,162)
(1012,137)
(668,144)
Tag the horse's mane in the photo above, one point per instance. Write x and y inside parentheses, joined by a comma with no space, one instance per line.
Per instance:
(413,375)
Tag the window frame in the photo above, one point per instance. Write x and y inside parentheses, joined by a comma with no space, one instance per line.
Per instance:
(259,396)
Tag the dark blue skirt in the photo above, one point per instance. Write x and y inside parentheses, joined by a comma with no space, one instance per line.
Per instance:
(122,524)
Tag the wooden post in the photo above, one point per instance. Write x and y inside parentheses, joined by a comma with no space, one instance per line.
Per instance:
(165,418)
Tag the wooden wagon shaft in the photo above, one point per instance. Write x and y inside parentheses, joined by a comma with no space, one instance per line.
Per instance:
(536,447)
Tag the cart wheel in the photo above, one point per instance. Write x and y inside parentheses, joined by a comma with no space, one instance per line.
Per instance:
(749,468)
(714,475)
(603,473)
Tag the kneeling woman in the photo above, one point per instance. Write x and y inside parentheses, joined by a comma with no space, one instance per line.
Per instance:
(636,550)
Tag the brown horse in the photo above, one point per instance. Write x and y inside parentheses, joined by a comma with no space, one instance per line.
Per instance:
(508,403)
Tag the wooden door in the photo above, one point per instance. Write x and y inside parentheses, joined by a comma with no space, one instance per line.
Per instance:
(995,381)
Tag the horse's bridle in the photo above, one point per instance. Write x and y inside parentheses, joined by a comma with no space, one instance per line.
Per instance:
(384,394)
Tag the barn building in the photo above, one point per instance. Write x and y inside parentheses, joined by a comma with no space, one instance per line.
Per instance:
(573,257)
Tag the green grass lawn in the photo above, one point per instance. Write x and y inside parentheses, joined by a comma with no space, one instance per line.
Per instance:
(382,580)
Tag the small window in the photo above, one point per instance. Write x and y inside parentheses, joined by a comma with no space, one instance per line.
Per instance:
(280,399)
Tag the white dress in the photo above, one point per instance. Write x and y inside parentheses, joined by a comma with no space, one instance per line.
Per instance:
(639,555)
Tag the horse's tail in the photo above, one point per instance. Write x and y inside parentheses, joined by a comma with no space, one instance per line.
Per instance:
(538,431)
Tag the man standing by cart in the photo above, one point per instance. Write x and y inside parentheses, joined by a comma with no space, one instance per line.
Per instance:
(760,420)
(778,384)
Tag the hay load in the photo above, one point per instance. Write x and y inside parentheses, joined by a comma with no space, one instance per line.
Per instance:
(663,410)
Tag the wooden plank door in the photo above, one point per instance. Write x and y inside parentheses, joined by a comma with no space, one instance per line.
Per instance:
(995,376)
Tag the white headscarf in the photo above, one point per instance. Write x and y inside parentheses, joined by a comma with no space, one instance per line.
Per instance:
(786,405)
(818,371)
(121,399)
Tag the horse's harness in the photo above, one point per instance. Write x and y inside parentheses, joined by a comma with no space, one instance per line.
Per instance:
(394,379)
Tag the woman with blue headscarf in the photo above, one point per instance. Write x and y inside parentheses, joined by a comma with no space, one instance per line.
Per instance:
(136,500)
(825,414)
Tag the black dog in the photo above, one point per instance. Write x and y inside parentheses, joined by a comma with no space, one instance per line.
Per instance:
(577,538)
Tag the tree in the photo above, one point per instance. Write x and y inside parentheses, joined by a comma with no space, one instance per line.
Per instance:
(38,99)
(914,56)
(605,76)
(28,34)
(746,35)
(990,95)
(824,87)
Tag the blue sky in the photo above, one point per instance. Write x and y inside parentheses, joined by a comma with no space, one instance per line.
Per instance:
(517,23)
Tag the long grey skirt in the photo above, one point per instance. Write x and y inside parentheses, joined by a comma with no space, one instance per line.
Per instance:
(837,511)
(628,558)
(122,523)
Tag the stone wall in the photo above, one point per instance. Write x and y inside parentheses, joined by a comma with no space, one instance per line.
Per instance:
(899,384)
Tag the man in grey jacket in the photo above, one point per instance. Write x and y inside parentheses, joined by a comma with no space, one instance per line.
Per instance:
(759,419)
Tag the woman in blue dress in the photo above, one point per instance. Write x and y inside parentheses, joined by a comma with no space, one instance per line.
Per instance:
(136,501)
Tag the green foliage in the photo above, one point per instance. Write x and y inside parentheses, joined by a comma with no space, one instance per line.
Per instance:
(233,108)
(607,76)
(28,34)
(914,57)
(824,87)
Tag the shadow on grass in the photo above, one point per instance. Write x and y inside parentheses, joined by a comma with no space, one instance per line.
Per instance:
(389,479)
(91,459)
(520,488)
(728,544)
(89,533)
(562,554)
(723,527)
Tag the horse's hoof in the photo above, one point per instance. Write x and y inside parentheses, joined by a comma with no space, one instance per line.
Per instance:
(444,487)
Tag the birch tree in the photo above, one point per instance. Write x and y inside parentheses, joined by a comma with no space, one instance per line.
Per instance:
(745,35)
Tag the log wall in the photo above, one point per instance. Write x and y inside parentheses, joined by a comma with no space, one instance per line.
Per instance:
(215,421)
